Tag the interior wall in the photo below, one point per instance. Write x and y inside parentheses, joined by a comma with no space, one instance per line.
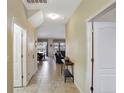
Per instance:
(15,8)
(76,38)
(31,55)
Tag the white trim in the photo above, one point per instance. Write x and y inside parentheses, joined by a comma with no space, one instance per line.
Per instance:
(24,57)
(89,56)
(16,21)
(20,30)
(78,87)
(29,79)
(101,10)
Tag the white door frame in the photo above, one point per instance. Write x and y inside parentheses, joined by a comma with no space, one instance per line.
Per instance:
(89,23)
(24,50)
(24,41)
(21,59)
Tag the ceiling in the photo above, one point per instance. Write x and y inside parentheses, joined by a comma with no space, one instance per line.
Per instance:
(51,31)
(37,19)
(62,8)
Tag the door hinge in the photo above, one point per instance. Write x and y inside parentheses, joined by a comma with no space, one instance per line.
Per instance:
(92,59)
(22,76)
(91,88)
(21,56)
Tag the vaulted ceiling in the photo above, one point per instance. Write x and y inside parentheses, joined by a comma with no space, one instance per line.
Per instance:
(52,12)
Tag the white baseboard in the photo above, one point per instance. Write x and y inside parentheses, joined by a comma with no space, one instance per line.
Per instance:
(78,87)
(31,77)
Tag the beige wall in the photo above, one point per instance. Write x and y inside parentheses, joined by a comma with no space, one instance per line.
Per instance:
(15,8)
(76,40)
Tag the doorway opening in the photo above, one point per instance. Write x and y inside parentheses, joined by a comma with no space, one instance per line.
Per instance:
(19,56)
(42,51)
(102,51)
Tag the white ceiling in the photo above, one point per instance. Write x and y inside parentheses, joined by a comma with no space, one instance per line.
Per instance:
(37,19)
(47,27)
(51,31)
(64,8)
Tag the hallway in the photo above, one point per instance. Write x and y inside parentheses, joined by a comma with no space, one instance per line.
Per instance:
(48,79)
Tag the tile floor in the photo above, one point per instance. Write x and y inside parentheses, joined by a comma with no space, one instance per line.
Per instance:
(48,79)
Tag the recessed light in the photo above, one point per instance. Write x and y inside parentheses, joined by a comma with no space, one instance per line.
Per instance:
(54,16)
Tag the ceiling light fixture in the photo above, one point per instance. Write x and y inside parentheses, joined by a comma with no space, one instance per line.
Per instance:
(54,16)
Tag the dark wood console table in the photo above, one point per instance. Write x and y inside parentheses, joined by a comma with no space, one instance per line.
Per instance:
(67,73)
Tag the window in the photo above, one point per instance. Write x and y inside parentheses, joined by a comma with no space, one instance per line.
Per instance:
(42,47)
(62,46)
(59,46)
(56,46)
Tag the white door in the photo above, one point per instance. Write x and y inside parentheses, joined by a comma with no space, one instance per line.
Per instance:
(104,57)
(17,66)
